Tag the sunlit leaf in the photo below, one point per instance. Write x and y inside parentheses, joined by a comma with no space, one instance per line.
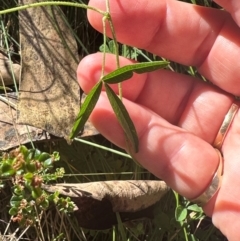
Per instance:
(123,117)
(43,156)
(24,151)
(86,109)
(36,192)
(13,211)
(54,197)
(7,169)
(36,154)
(180,213)
(16,200)
(18,190)
(195,208)
(48,163)
(126,72)
(28,176)
(33,154)
(56,156)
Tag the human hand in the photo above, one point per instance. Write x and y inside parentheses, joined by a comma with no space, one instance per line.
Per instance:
(177,117)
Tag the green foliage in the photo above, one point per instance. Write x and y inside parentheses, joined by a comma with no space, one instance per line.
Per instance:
(126,51)
(28,169)
(180,213)
(126,72)
(86,109)
(109,47)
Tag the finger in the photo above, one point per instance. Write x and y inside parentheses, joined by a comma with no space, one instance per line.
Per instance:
(186,33)
(233,7)
(169,152)
(180,99)
(227,207)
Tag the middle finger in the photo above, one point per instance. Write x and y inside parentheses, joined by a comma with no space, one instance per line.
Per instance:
(191,35)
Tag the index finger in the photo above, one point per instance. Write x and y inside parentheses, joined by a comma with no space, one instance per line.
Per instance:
(191,35)
(233,6)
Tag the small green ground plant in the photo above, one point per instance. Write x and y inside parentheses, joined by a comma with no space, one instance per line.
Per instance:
(28,169)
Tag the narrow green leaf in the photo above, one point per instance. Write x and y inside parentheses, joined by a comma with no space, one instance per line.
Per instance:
(123,117)
(126,72)
(5,88)
(86,109)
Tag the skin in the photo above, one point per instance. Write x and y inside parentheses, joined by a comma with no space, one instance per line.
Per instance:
(178,117)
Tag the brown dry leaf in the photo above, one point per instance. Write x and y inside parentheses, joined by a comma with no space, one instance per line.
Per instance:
(11,134)
(98,202)
(49,97)
(49,93)
(125,196)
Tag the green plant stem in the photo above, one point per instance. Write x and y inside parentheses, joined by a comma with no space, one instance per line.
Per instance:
(103,174)
(103,147)
(51,3)
(108,16)
(185,233)
(104,46)
(181,223)
(176,198)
